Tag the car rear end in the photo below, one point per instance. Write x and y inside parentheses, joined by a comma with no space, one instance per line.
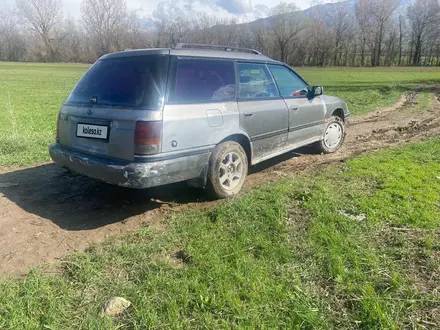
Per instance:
(110,127)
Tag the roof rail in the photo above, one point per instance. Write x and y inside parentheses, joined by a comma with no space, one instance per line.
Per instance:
(217,47)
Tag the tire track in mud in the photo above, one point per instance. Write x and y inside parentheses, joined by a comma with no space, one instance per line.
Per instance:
(47,213)
(381,129)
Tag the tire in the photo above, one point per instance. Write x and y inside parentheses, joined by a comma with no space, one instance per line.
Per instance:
(228,165)
(335,127)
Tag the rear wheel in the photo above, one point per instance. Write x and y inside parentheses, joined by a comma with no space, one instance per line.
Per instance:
(227,170)
(333,137)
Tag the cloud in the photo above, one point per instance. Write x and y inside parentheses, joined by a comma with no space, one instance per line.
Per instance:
(188,9)
(260,11)
(171,9)
(235,6)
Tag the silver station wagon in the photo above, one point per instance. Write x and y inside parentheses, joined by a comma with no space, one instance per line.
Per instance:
(197,113)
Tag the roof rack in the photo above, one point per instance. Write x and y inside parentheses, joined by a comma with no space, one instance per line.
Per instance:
(217,47)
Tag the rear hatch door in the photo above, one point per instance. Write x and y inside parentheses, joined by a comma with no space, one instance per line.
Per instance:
(100,115)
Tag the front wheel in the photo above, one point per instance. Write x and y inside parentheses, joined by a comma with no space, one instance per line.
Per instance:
(227,170)
(333,137)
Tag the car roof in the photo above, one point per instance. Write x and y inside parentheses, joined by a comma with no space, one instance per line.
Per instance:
(234,55)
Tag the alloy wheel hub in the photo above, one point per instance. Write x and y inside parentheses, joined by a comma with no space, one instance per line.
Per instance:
(230,171)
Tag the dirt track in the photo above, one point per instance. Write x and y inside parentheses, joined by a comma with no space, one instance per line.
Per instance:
(46,213)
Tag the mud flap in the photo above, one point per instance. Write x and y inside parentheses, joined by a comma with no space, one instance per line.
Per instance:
(200,181)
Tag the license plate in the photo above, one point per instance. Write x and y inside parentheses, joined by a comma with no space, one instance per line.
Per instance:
(92,131)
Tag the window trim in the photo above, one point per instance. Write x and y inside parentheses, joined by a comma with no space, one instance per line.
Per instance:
(247,99)
(284,65)
(172,80)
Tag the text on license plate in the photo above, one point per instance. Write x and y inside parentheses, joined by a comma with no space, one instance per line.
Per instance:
(92,131)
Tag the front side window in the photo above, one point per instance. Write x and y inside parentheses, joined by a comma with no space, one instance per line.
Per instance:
(256,81)
(203,81)
(136,82)
(289,84)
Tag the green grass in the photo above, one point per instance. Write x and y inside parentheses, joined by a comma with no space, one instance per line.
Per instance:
(423,102)
(31,95)
(351,246)
(366,89)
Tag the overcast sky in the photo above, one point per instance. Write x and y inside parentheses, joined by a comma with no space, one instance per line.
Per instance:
(246,9)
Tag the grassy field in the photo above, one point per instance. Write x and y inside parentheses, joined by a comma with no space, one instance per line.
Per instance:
(31,95)
(366,89)
(353,246)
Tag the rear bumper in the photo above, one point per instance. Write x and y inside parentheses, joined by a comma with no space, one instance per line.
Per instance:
(131,175)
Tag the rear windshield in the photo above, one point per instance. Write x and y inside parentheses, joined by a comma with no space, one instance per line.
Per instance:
(131,82)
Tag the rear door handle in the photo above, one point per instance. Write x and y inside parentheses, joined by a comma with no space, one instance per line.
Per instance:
(293,108)
(248,114)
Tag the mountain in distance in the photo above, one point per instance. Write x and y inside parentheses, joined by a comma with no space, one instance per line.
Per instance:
(326,10)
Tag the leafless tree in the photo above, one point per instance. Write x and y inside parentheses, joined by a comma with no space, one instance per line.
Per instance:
(260,37)
(71,42)
(321,43)
(401,36)
(320,38)
(391,45)
(374,18)
(340,18)
(42,17)
(371,33)
(363,14)
(381,11)
(160,28)
(424,18)
(287,22)
(136,35)
(104,20)
(203,31)
(12,46)
(230,33)
(177,31)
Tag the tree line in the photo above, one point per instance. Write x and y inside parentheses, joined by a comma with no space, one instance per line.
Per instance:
(351,33)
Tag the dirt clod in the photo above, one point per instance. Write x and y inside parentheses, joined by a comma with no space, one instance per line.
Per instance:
(115,306)
(182,256)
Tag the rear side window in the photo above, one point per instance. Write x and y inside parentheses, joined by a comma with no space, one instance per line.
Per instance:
(256,81)
(136,82)
(202,81)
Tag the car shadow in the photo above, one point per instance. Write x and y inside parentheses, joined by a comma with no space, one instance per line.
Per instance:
(75,202)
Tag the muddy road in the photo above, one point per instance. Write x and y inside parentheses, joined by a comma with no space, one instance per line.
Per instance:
(47,213)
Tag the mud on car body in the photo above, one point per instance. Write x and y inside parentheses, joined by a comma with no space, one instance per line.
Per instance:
(144,118)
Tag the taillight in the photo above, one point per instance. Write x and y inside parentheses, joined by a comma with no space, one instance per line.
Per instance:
(147,137)
(58,128)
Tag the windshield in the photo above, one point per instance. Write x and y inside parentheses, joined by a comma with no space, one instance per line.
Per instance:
(133,82)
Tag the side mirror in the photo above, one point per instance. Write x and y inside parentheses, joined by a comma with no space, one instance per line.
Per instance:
(315,91)
(318,90)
